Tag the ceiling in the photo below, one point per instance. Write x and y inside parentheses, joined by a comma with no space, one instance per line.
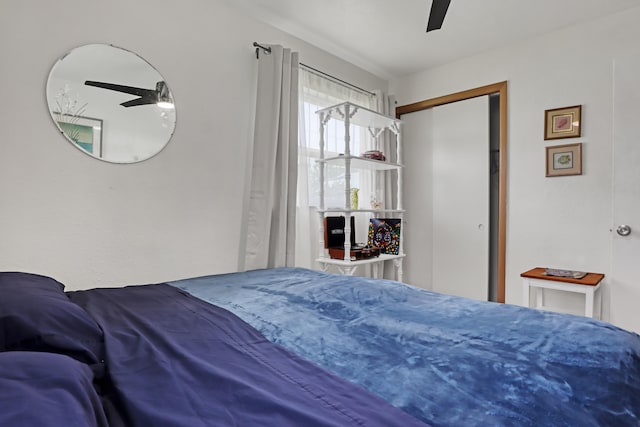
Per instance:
(388,37)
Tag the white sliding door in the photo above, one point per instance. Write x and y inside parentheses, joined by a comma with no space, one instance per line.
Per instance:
(460,198)
(624,283)
(417,148)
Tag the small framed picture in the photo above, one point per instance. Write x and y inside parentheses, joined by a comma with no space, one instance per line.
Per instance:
(85,132)
(562,122)
(564,160)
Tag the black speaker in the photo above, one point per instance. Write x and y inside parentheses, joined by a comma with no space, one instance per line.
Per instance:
(334,231)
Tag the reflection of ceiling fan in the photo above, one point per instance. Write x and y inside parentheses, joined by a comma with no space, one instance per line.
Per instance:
(160,95)
(436,16)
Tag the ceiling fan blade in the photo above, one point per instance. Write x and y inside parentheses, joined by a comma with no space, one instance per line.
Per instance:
(143,100)
(120,88)
(146,96)
(437,14)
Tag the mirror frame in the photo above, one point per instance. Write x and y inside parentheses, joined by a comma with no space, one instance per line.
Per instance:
(124,76)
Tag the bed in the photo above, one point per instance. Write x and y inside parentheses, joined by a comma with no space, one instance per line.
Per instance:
(295,347)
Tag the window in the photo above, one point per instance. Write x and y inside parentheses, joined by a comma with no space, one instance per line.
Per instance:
(319,92)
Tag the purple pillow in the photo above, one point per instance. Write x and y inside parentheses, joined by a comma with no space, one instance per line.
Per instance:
(36,315)
(46,389)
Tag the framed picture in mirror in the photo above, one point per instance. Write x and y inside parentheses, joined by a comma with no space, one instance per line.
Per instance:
(85,132)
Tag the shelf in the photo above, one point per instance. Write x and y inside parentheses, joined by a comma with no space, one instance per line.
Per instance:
(363,116)
(341,262)
(375,124)
(338,210)
(363,163)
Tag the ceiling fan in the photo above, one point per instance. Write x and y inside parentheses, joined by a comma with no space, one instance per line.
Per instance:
(436,16)
(159,96)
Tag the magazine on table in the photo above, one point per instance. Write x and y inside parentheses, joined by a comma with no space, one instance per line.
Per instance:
(564,273)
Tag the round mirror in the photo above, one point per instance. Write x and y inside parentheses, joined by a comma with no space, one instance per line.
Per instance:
(111,104)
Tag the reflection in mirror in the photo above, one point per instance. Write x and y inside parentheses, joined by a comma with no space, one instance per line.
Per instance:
(111,104)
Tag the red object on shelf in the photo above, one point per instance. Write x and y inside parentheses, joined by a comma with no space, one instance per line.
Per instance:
(374,155)
(356,254)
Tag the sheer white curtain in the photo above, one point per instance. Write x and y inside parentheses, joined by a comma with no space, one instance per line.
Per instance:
(317,92)
(387,193)
(271,229)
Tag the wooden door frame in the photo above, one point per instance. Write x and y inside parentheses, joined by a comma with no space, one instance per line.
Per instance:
(500,89)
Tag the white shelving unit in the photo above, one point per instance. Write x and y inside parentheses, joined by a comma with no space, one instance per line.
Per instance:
(376,124)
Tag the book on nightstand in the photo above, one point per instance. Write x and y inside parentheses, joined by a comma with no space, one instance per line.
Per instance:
(564,273)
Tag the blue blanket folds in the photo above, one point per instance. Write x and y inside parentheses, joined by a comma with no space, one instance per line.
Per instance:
(446,360)
(174,360)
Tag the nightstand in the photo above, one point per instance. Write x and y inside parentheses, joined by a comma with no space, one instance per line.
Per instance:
(589,285)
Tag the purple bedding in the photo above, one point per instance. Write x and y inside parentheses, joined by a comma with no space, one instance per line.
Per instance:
(47,389)
(175,360)
(36,315)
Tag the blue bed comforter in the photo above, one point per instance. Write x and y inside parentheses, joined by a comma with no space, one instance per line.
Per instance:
(174,360)
(446,360)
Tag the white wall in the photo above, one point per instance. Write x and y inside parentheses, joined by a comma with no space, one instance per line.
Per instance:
(90,223)
(561,222)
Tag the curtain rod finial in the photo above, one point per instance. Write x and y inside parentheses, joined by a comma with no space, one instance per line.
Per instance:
(258,46)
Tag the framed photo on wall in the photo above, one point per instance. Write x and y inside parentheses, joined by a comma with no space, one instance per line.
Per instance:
(562,122)
(563,160)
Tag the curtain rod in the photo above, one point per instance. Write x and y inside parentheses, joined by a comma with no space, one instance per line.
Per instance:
(313,70)
(267,50)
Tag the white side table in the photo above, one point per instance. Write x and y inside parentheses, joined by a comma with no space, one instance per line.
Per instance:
(588,285)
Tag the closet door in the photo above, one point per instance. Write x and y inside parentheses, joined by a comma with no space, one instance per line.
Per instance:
(624,283)
(417,142)
(460,198)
